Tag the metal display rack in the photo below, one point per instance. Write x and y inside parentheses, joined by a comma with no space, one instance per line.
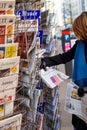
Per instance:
(27,94)
(9,68)
(31,97)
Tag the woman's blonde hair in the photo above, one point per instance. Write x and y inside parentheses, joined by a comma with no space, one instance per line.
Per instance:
(80,26)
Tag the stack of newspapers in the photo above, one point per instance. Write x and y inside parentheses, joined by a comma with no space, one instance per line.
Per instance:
(9,67)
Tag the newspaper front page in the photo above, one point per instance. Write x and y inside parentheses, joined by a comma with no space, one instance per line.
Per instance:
(75,104)
(52,77)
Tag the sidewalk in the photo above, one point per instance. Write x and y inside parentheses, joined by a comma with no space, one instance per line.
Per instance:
(66,118)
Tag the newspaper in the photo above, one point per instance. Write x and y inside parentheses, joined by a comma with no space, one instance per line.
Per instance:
(8,50)
(7,28)
(30,25)
(8,82)
(75,104)
(7,7)
(9,66)
(52,77)
(4,109)
(11,123)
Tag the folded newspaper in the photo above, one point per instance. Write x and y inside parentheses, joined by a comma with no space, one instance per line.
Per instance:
(75,104)
(52,77)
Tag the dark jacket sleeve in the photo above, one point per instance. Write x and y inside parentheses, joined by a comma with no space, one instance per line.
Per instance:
(60,58)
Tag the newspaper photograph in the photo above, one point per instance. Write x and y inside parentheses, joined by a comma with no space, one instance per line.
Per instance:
(75,104)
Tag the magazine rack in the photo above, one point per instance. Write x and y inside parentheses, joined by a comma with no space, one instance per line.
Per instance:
(9,68)
(27,94)
(22,91)
(31,91)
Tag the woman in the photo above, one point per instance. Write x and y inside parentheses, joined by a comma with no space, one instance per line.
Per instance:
(79,53)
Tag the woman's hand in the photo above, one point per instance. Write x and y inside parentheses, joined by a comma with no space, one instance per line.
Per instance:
(43,64)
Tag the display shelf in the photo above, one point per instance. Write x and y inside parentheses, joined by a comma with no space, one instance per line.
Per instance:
(30,93)
(9,68)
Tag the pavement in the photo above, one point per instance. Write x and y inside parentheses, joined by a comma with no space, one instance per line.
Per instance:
(66,118)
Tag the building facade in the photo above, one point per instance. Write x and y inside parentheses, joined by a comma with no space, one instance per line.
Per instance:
(71,9)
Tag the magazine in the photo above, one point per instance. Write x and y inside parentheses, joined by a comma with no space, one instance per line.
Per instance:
(7,29)
(32,60)
(8,50)
(75,104)
(4,109)
(40,52)
(52,77)
(30,25)
(7,7)
(33,45)
(8,82)
(9,66)
(11,123)
(7,96)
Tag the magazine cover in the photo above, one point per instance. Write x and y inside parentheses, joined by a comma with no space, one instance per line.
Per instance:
(8,50)
(7,7)
(52,77)
(2,51)
(22,38)
(28,25)
(7,29)
(75,104)
(9,66)
(11,123)
(11,50)
(2,33)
